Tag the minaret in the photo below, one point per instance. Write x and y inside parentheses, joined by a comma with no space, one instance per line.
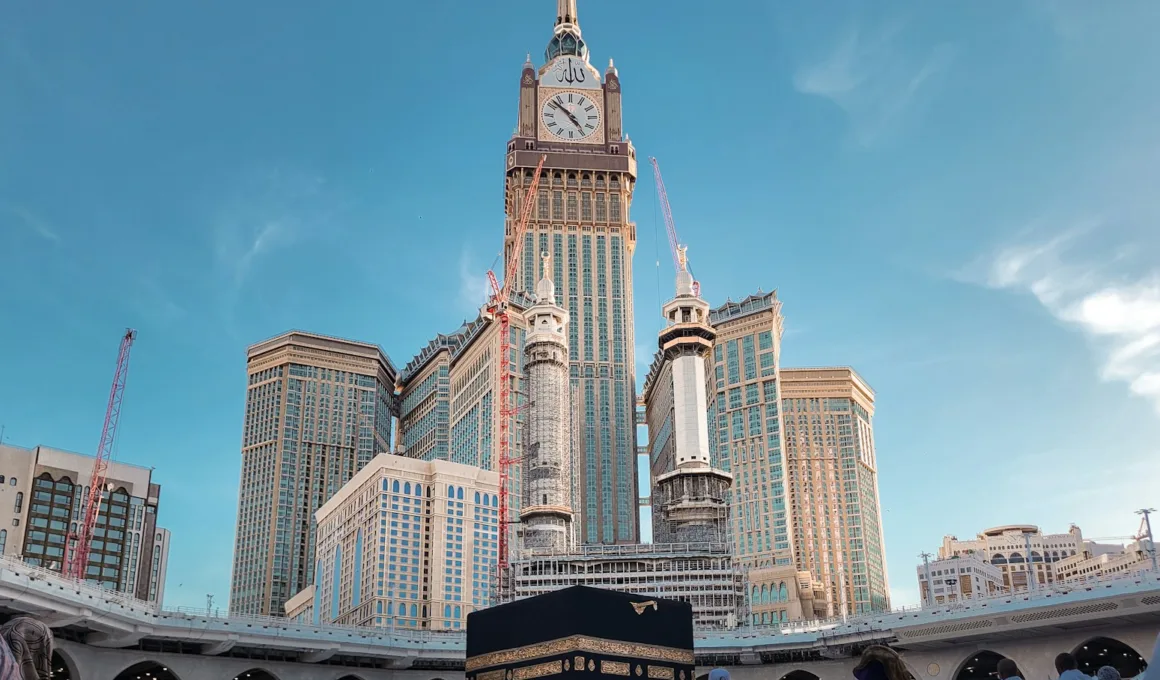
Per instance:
(689,497)
(547,463)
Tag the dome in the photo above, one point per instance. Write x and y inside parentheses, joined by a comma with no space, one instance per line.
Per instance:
(566,43)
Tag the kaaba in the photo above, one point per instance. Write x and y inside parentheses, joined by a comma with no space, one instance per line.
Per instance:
(582,633)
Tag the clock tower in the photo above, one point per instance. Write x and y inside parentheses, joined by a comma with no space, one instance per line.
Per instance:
(571,114)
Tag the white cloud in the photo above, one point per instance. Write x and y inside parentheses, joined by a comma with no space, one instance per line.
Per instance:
(32,222)
(474,288)
(869,77)
(268,211)
(1121,315)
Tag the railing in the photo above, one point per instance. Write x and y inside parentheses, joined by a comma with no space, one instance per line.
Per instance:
(876,621)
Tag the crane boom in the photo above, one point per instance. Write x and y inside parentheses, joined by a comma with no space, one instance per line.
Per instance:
(680,263)
(77,560)
(499,307)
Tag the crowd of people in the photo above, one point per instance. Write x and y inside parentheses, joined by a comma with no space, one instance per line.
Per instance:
(26,654)
(879,662)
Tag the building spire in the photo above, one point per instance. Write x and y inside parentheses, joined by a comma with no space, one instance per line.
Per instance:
(546,288)
(566,12)
(566,38)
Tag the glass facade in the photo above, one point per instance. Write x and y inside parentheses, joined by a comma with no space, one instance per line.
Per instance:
(307,430)
(124,531)
(745,427)
(592,270)
(833,476)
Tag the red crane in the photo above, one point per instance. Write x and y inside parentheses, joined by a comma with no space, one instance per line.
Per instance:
(498,306)
(77,559)
(679,261)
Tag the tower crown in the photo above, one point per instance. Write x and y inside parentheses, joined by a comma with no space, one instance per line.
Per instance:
(566,38)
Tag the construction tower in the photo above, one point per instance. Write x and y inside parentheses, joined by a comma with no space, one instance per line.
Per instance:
(546,513)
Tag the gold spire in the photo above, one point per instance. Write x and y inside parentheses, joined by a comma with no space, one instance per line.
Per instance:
(566,12)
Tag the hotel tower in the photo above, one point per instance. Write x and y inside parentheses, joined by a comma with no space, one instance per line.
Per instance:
(571,114)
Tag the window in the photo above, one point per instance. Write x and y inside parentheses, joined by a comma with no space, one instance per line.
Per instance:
(19,502)
(3,540)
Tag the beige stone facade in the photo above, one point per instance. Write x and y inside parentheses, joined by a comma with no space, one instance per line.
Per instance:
(42,496)
(959,578)
(832,467)
(404,544)
(318,409)
(782,593)
(1011,548)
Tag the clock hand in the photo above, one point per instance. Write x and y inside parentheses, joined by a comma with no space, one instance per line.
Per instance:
(566,113)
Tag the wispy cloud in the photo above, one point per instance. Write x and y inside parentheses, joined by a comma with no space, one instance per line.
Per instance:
(267,211)
(156,302)
(1120,314)
(870,77)
(473,284)
(30,221)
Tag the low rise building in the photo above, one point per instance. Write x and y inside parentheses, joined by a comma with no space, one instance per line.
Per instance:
(959,578)
(42,497)
(404,544)
(782,593)
(1092,565)
(1018,550)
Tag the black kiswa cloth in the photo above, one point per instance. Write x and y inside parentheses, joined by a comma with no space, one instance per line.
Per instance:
(582,633)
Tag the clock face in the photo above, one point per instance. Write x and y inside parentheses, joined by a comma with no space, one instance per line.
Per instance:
(570,116)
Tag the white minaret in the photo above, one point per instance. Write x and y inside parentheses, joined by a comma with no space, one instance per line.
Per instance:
(547,465)
(690,498)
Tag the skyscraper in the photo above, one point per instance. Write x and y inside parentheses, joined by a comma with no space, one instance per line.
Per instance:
(568,112)
(448,402)
(833,471)
(546,514)
(318,409)
(745,426)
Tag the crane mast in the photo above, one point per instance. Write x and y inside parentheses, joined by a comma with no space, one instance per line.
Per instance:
(499,307)
(77,558)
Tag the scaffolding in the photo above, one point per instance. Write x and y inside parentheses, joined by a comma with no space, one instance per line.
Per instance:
(703,574)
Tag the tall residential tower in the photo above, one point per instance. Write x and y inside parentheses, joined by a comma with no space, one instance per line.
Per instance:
(318,409)
(833,472)
(745,426)
(573,115)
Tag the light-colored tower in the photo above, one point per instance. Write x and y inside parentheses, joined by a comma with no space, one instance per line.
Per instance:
(745,434)
(547,458)
(318,409)
(833,471)
(568,111)
(690,499)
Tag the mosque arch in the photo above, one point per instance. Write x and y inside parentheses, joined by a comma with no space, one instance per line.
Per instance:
(147,670)
(981,665)
(256,674)
(1100,651)
(63,666)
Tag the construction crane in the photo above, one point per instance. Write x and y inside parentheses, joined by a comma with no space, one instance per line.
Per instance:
(680,261)
(498,307)
(76,560)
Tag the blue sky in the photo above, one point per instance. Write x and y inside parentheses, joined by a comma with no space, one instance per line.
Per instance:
(957,199)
